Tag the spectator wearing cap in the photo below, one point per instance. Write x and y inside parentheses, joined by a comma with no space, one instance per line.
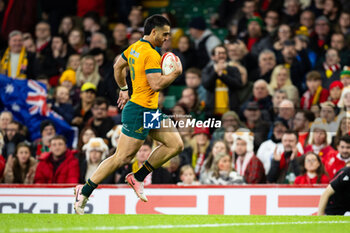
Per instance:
(297,61)
(266,148)
(47,131)
(82,111)
(335,90)
(320,139)
(59,166)
(88,71)
(245,162)
(280,80)
(315,94)
(328,115)
(221,82)
(254,35)
(345,76)
(68,77)
(96,151)
(331,68)
(255,123)
(204,41)
(197,151)
(100,121)
(320,41)
(15,61)
(301,124)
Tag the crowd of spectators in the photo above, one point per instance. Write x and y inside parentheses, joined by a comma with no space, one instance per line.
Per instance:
(279,82)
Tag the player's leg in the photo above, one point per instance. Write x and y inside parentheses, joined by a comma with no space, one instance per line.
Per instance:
(171,145)
(128,147)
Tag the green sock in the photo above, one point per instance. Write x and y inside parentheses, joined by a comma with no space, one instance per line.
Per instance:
(141,174)
(88,188)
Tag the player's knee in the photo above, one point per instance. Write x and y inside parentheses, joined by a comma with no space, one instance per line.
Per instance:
(122,159)
(178,146)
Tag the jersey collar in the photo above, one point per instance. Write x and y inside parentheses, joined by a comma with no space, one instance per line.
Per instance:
(158,49)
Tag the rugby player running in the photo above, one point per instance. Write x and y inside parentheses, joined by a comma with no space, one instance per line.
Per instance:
(143,59)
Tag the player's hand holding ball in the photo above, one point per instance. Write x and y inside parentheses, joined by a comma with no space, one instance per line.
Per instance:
(171,64)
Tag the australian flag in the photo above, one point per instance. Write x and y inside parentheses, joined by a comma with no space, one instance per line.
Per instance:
(26,99)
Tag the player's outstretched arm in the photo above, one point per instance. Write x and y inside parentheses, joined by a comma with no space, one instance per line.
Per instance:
(159,82)
(324,200)
(120,77)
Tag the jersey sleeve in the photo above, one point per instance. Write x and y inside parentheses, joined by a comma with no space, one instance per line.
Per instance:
(152,63)
(341,180)
(126,53)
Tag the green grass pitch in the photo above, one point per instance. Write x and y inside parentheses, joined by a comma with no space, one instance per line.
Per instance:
(172,223)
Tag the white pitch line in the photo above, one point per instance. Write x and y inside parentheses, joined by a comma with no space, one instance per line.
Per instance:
(125,228)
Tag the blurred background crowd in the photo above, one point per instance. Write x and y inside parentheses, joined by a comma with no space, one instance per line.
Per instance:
(276,73)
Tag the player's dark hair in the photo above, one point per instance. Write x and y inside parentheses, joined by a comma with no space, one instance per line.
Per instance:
(154,21)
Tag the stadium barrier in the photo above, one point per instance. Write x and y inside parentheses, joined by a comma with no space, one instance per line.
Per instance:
(167,199)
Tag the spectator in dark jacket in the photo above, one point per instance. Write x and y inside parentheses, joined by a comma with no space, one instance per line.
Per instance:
(221,82)
(100,121)
(284,165)
(57,166)
(83,109)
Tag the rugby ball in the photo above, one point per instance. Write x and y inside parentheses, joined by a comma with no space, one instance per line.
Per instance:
(168,62)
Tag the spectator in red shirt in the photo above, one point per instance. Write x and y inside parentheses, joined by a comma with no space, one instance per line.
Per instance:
(312,170)
(337,160)
(245,162)
(57,166)
(315,93)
